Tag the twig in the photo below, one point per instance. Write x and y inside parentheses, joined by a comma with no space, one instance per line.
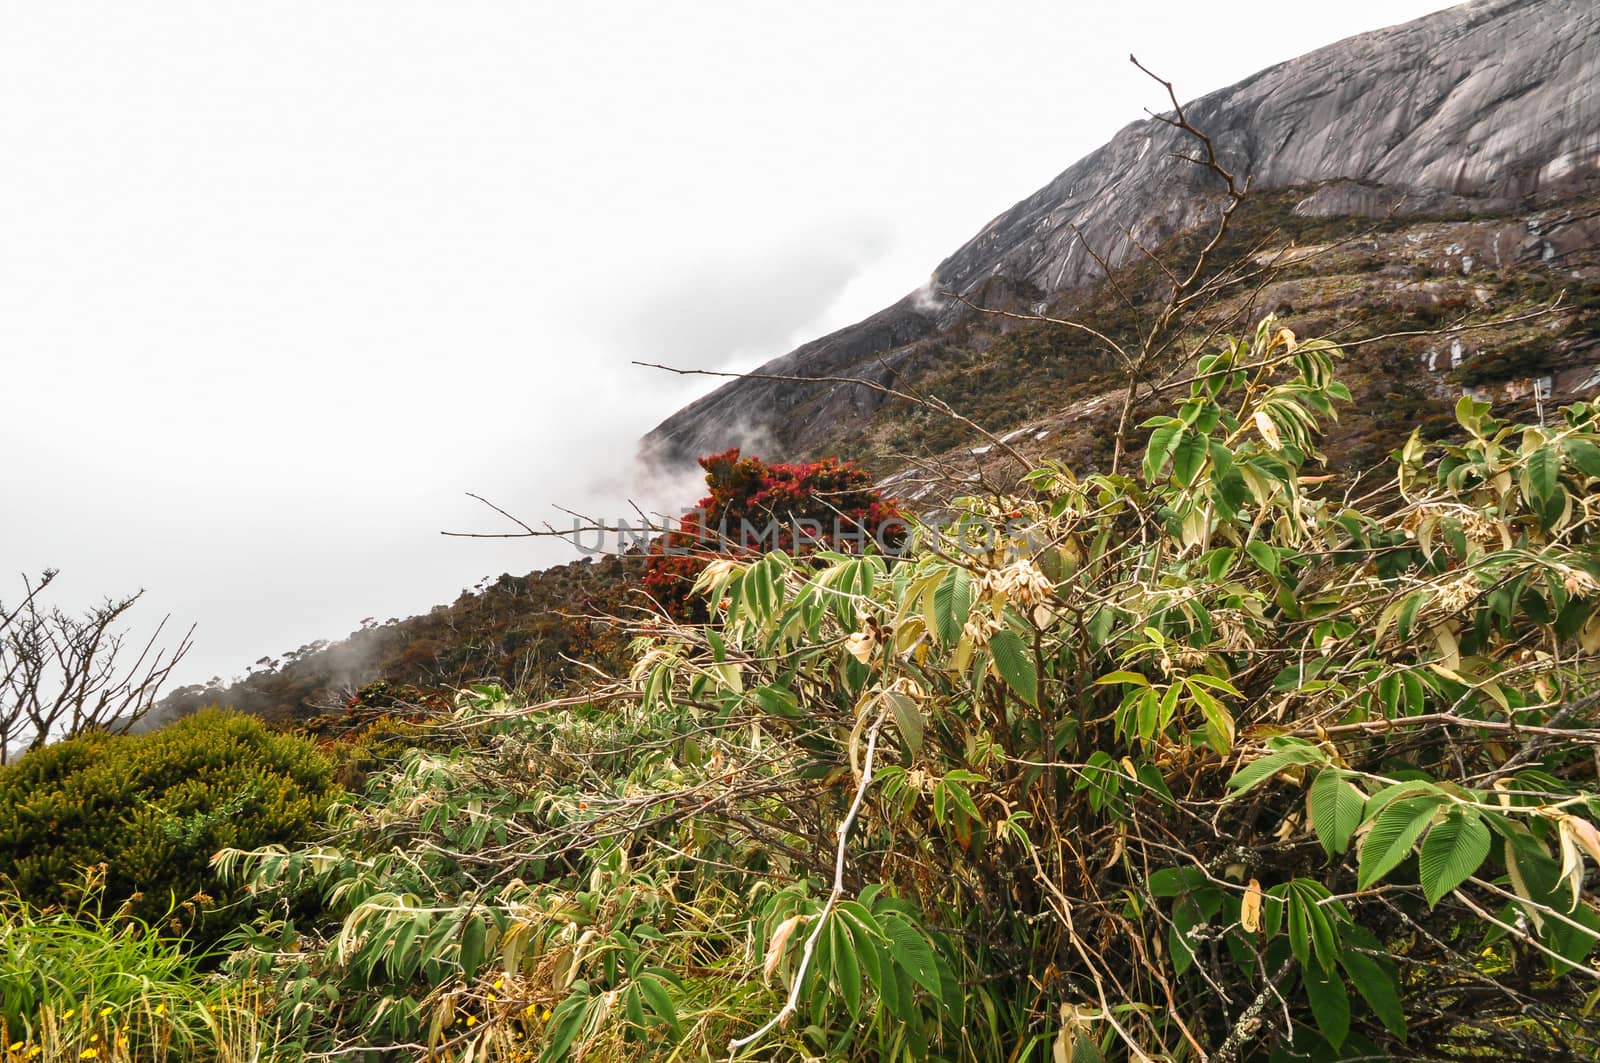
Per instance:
(1249,1023)
(793,1003)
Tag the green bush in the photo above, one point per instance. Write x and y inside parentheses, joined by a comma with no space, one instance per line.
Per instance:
(153,808)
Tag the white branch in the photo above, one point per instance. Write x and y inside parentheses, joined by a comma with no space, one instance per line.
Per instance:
(793,1003)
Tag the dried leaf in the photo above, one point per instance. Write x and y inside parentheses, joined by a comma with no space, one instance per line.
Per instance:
(1268,430)
(862,645)
(780,938)
(1520,885)
(1250,909)
(1587,837)
(1571,862)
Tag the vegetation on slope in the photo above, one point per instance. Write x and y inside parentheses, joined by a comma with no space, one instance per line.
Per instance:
(1351,279)
(150,810)
(76,984)
(754,507)
(1202,757)
(1198,763)
(528,632)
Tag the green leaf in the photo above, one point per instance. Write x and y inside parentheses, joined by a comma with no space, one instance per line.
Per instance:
(1415,695)
(952,601)
(1408,614)
(1330,1003)
(1219,722)
(1394,831)
(1324,934)
(633,1007)
(1166,708)
(1219,561)
(777,701)
(1264,556)
(908,718)
(1263,768)
(660,1001)
(1377,987)
(1172,881)
(1100,625)
(1211,682)
(1189,457)
(1336,808)
(912,954)
(1451,852)
(1163,441)
(846,970)
(565,1025)
(962,799)
(1147,711)
(473,935)
(1542,467)
(866,937)
(1015,664)
(1584,455)
(401,960)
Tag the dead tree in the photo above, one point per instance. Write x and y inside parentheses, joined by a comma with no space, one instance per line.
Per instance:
(62,674)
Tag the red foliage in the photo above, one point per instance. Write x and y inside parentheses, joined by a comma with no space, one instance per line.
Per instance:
(755,507)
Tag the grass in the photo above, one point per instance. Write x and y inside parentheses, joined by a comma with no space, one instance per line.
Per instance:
(76,986)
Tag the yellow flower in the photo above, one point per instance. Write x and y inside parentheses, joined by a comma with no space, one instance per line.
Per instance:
(107,1010)
(472,1020)
(529,1010)
(20,1045)
(89,1053)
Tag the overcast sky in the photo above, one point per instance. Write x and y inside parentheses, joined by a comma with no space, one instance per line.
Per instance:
(281,281)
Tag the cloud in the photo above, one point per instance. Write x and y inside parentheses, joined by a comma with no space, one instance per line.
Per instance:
(753,302)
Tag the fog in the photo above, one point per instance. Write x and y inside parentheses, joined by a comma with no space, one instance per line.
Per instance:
(281,283)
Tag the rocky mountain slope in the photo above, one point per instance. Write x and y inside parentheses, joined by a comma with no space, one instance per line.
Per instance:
(1412,187)
(1487,110)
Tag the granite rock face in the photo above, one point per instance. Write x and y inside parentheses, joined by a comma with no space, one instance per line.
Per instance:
(1481,107)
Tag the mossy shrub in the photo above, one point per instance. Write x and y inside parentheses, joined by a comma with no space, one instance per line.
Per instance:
(153,808)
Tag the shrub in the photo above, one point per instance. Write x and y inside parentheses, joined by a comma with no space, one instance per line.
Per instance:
(754,507)
(379,723)
(1195,763)
(154,808)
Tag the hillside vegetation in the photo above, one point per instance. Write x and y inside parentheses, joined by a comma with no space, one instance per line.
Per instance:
(1264,729)
(1415,299)
(1196,762)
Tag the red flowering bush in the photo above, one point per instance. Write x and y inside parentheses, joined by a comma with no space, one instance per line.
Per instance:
(755,507)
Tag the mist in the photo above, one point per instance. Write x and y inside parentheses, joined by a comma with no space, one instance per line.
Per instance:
(281,284)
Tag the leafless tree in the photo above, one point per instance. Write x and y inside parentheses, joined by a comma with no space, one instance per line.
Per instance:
(60,673)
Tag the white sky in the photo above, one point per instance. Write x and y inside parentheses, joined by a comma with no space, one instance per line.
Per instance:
(280,281)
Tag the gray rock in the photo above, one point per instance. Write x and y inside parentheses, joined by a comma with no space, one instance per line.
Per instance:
(1481,105)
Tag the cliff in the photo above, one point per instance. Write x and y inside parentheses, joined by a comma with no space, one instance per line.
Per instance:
(1483,109)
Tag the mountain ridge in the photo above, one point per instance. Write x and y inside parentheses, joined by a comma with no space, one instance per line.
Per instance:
(1474,108)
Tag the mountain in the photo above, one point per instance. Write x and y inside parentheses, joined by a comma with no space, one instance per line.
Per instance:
(1486,111)
(1426,180)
